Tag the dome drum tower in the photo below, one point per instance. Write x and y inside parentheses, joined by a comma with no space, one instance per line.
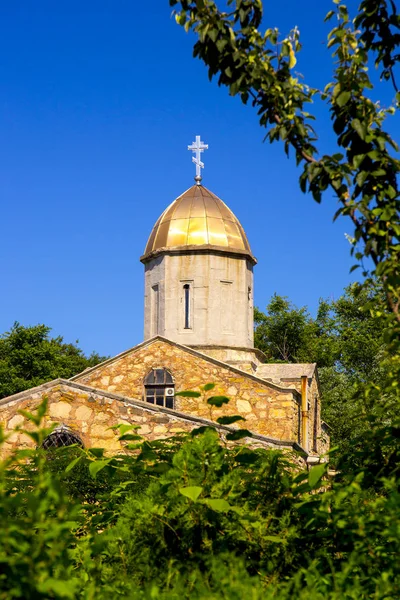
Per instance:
(199,279)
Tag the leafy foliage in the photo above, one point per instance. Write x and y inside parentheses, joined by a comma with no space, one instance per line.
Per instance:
(190,518)
(29,357)
(285,333)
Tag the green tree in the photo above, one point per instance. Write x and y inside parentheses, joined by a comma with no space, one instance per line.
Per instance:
(29,357)
(348,344)
(286,333)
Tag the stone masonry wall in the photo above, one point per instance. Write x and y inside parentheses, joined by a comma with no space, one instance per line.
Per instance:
(90,415)
(318,436)
(268,410)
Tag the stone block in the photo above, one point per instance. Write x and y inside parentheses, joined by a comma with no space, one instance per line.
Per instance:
(144,429)
(60,409)
(160,429)
(102,417)
(243,406)
(15,421)
(160,419)
(101,431)
(83,413)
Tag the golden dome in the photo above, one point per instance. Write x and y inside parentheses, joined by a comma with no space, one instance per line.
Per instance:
(196,220)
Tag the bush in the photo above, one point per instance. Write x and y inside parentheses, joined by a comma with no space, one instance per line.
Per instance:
(192,518)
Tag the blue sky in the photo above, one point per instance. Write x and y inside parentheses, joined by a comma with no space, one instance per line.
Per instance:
(98,102)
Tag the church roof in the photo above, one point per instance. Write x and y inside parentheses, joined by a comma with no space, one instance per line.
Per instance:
(284,371)
(197,220)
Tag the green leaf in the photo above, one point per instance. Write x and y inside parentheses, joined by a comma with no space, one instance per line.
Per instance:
(208,387)
(97,466)
(343,98)
(292,58)
(188,394)
(192,492)
(359,127)
(97,452)
(361,177)
(72,464)
(238,435)
(218,401)
(133,446)
(123,427)
(217,504)
(315,475)
(130,436)
(358,159)
(42,408)
(229,420)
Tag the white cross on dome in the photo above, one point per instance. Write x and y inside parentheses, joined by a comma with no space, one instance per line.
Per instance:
(198,147)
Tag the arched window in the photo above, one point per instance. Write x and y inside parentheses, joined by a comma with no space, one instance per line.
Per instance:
(159,388)
(61,436)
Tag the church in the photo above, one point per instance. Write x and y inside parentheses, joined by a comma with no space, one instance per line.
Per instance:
(198,329)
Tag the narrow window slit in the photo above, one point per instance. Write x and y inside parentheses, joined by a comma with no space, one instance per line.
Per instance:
(186,288)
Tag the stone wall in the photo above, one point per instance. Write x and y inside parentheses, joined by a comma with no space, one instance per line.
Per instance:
(318,437)
(268,409)
(245,359)
(221,298)
(90,415)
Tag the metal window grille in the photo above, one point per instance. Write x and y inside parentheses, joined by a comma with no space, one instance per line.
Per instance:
(159,388)
(62,436)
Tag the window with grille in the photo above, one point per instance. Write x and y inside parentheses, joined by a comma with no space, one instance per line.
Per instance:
(159,388)
(61,436)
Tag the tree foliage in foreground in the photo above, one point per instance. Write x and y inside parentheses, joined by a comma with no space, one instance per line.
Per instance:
(189,517)
(29,357)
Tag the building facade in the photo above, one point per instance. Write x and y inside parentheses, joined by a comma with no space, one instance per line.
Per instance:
(198,329)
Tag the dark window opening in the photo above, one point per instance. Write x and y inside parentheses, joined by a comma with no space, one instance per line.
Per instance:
(186,289)
(60,437)
(159,388)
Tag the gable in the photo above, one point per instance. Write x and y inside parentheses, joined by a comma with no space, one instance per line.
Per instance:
(268,408)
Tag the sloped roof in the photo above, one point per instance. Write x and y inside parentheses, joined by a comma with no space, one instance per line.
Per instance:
(284,371)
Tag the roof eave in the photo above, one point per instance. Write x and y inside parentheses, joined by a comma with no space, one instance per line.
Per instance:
(201,249)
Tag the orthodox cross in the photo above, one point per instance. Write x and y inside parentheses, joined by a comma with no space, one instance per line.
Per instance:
(198,147)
